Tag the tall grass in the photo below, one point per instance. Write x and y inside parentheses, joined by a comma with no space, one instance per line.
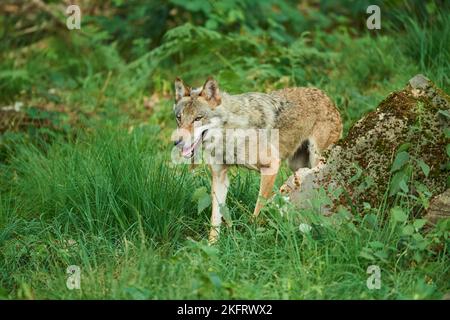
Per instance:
(426,43)
(110,204)
(112,182)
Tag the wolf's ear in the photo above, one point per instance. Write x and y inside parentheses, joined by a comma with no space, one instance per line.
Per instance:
(181,89)
(211,93)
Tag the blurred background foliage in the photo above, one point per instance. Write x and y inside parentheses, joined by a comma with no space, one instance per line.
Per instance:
(127,53)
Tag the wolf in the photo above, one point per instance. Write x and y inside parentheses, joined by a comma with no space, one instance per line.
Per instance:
(305,119)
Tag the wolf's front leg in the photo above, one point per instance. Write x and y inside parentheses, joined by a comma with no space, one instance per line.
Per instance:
(219,191)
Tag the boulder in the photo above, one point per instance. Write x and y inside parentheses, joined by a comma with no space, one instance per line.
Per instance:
(398,149)
(439,207)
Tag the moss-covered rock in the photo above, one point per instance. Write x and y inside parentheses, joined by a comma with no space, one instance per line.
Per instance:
(400,148)
(439,207)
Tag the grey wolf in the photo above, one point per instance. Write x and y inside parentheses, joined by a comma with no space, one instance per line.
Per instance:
(306,120)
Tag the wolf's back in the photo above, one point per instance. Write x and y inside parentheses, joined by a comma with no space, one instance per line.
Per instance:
(306,113)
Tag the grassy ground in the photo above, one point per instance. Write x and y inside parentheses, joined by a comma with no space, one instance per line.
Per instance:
(111,205)
(100,192)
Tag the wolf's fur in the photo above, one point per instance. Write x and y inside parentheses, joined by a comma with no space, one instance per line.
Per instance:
(307,121)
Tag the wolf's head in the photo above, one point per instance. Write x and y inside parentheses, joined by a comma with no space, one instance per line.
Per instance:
(193,109)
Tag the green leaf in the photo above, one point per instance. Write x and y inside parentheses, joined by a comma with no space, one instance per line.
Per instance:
(408,230)
(366,255)
(403,186)
(376,244)
(357,174)
(210,251)
(398,182)
(448,150)
(400,160)
(199,193)
(382,254)
(404,147)
(417,256)
(425,168)
(203,203)
(371,220)
(447,132)
(203,199)
(137,293)
(215,280)
(398,214)
(419,223)
(445,113)
(418,237)
(212,24)
(226,215)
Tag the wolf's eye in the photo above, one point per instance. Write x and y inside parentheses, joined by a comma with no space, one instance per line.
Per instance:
(178,117)
(198,118)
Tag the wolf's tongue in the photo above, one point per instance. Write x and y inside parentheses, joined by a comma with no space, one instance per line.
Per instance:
(186,151)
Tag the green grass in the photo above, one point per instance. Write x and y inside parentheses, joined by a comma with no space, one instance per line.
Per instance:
(110,204)
(102,194)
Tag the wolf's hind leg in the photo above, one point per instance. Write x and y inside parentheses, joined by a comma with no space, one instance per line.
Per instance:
(219,192)
(268,176)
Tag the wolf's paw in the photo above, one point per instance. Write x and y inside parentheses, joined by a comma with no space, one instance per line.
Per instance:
(212,241)
(213,236)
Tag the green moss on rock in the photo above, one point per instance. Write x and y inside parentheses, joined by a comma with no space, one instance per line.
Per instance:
(361,163)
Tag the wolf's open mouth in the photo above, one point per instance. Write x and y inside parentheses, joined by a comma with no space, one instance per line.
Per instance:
(188,152)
